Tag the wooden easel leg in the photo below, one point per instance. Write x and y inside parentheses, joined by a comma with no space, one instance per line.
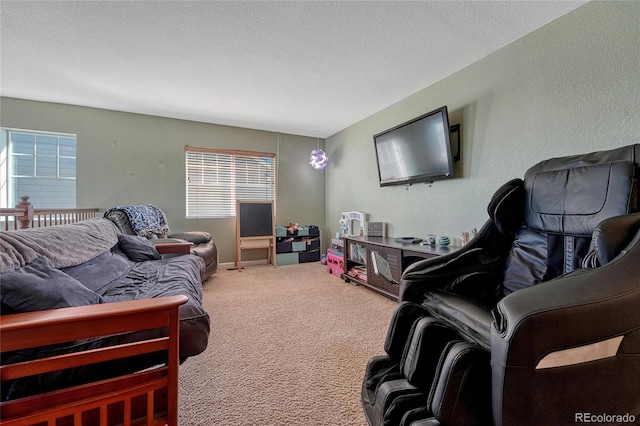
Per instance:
(238,262)
(274,255)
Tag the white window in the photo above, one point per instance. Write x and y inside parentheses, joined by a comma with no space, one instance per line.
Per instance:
(40,165)
(217,178)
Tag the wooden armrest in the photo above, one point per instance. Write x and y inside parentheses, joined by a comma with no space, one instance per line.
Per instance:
(167,248)
(31,329)
(138,391)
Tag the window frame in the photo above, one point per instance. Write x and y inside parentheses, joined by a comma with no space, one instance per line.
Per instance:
(9,173)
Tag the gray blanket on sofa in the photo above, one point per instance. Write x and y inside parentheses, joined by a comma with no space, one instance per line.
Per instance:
(65,246)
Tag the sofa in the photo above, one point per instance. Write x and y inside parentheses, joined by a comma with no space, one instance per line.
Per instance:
(91,263)
(150,222)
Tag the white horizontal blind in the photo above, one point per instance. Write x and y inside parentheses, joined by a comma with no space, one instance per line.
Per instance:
(217,178)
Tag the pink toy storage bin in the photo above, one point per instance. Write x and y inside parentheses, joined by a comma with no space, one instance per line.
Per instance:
(335,263)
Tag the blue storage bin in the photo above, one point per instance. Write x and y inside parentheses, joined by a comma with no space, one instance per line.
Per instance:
(299,246)
(287,259)
(281,231)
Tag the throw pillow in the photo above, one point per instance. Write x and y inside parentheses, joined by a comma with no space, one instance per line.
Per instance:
(138,248)
(39,286)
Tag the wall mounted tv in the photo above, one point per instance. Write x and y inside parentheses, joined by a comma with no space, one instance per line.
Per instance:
(416,151)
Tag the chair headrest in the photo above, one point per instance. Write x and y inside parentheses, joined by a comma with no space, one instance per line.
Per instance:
(573,200)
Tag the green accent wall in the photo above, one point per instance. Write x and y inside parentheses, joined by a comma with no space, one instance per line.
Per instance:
(570,87)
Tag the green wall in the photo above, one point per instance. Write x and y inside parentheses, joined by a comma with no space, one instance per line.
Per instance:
(572,86)
(126,158)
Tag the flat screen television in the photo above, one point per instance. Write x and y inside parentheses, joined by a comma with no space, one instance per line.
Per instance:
(416,151)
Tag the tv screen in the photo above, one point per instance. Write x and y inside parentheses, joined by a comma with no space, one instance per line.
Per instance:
(416,151)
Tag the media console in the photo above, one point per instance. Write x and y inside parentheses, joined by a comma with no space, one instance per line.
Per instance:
(357,255)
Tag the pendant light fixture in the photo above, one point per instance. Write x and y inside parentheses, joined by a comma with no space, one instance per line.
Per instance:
(318,158)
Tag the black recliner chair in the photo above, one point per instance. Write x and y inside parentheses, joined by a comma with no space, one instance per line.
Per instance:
(536,320)
(202,242)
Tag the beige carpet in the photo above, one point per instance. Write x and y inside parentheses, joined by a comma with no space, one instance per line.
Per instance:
(288,346)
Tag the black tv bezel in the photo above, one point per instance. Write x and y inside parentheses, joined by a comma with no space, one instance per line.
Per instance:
(428,177)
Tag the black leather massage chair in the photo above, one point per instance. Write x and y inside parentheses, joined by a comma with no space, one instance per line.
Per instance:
(536,321)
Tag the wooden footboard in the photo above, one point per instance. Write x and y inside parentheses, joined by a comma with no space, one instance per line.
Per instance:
(148,398)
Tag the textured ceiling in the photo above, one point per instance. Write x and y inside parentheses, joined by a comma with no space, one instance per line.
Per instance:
(302,67)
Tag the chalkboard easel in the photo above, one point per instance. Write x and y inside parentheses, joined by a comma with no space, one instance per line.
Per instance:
(255,229)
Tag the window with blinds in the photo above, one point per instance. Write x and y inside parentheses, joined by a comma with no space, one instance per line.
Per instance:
(217,178)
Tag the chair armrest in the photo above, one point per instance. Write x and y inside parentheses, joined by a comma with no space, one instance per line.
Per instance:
(42,328)
(174,248)
(196,237)
(611,236)
(483,257)
(586,305)
(574,340)
(31,329)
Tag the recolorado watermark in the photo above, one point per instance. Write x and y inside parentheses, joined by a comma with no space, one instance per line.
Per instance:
(604,418)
